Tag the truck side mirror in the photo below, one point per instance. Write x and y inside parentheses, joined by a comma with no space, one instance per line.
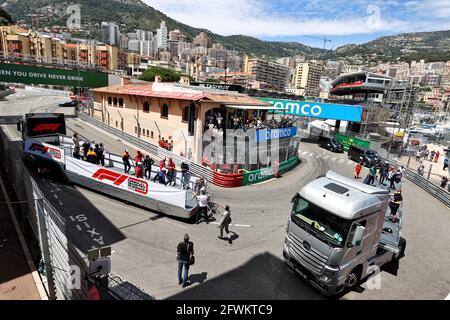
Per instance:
(295,198)
(358,236)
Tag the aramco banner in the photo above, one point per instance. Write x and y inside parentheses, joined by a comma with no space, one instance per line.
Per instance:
(348,141)
(260,175)
(18,73)
(317,110)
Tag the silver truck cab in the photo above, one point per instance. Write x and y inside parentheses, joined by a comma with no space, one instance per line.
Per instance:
(338,231)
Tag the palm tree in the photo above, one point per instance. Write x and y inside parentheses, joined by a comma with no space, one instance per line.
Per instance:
(5,17)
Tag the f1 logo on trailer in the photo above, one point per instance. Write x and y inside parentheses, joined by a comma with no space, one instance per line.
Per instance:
(46,127)
(117,179)
(55,153)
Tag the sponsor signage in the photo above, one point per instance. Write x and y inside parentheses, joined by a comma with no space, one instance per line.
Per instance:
(257,176)
(270,134)
(43,150)
(18,73)
(118,179)
(348,141)
(218,86)
(317,110)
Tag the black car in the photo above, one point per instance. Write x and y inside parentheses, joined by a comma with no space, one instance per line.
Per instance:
(365,156)
(72,103)
(331,144)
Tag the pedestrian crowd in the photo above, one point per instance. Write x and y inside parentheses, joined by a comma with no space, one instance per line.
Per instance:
(383,174)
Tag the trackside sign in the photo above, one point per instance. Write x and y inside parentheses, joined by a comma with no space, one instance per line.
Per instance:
(270,134)
(256,176)
(317,110)
(17,73)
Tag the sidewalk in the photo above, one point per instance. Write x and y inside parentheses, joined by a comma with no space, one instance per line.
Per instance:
(16,279)
(436,167)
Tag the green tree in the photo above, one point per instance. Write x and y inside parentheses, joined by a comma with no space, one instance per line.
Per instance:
(167,75)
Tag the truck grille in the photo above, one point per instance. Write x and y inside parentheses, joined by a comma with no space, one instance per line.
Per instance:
(312,258)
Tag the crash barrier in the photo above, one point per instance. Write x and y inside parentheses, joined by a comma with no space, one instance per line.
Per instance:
(435,190)
(150,148)
(52,245)
(227,180)
(252,177)
(49,91)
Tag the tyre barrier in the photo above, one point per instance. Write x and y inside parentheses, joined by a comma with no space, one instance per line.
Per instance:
(227,180)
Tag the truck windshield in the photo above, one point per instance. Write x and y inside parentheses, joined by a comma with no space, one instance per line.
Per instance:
(334,228)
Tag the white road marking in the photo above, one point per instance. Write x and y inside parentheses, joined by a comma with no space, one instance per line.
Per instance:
(60,203)
(55,195)
(448,297)
(78,227)
(265,181)
(341,161)
(72,218)
(235,225)
(87,225)
(333,159)
(304,153)
(311,154)
(326,157)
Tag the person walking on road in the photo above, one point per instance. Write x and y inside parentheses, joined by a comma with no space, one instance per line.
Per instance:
(421,168)
(357,172)
(148,163)
(224,224)
(126,161)
(436,156)
(432,153)
(203,199)
(418,155)
(370,178)
(185,255)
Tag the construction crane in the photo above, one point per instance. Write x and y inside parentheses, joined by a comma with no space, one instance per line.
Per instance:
(324,39)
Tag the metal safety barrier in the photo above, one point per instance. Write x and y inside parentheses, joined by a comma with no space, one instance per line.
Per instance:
(435,190)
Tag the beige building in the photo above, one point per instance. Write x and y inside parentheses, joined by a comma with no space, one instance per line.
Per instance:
(307,76)
(201,40)
(270,73)
(163,110)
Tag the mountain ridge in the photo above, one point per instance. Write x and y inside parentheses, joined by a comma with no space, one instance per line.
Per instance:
(135,14)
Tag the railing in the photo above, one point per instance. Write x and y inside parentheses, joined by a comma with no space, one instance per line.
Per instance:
(425,183)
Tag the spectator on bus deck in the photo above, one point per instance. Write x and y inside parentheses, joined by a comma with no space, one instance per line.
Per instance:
(86,146)
(91,156)
(185,175)
(162,164)
(148,163)
(161,177)
(75,140)
(76,153)
(171,175)
(126,161)
(139,171)
(139,157)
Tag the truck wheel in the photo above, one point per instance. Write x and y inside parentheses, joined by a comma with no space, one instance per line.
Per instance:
(353,278)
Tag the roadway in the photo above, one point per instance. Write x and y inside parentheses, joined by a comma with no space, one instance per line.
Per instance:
(144,243)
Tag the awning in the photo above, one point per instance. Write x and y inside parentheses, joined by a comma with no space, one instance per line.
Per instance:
(249,107)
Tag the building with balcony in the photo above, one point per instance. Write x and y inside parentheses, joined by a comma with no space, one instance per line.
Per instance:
(307,77)
(270,74)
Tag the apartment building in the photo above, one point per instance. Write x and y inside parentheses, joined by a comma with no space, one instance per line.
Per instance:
(269,73)
(307,76)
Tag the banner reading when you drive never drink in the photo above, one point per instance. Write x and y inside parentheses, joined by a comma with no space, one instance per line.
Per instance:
(17,73)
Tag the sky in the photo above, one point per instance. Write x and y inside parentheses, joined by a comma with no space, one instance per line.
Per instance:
(341,21)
